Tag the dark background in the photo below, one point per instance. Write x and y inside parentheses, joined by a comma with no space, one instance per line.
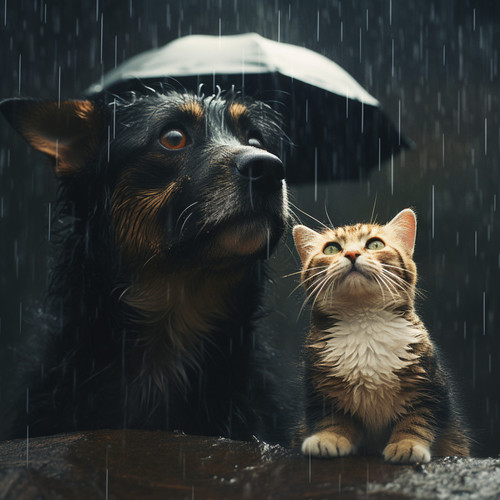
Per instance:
(432,64)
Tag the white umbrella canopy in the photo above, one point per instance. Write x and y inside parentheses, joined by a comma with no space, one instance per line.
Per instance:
(337,128)
(248,53)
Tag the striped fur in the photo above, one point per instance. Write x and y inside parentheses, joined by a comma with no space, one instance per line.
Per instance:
(373,379)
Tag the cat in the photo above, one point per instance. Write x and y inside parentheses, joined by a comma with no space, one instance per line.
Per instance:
(373,378)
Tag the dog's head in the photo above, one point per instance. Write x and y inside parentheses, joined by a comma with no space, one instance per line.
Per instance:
(179,177)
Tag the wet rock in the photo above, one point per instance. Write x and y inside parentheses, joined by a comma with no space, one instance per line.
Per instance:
(448,477)
(138,464)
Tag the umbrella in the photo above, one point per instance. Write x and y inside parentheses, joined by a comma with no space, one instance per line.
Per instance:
(337,129)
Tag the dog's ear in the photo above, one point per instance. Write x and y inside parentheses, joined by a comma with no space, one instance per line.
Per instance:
(68,132)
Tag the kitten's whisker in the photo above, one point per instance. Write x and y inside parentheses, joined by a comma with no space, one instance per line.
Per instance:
(302,283)
(329,280)
(300,272)
(395,277)
(398,267)
(377,279)
(310,216)
(294,218)
(310,290)
(397,280)
(397,285)
(389,286)
(328,216)
(372,218)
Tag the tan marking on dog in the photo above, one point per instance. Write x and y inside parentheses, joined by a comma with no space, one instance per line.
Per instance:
(237,110)
(135,219)
(178,310)
(68,132)
(194,108)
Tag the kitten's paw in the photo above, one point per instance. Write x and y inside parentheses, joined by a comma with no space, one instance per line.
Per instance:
(407,451)
(327,444)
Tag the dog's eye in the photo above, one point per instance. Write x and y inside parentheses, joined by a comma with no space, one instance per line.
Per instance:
(255,141)
(174,138)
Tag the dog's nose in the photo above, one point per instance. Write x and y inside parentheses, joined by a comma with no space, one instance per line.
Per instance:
(263,169)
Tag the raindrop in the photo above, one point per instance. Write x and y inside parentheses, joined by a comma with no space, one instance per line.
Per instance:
(315,174)
(317,25)
(49,221)
(363,116)
(485,136)
(392,57)
(484,313)
(442,147)
(399,121)
(360,42)
(59,89)
(27,446)
(367,477)
(107,449)
(432,212)
(19,89)
(379,154)
(102,35)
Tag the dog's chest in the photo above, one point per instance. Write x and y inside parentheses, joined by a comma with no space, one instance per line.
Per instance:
(365,350)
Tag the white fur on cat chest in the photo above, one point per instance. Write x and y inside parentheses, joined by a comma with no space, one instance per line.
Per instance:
(364,348)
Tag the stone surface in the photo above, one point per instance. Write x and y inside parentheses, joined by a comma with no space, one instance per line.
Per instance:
(136,464)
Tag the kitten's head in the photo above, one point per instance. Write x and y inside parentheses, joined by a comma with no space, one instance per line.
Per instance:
(360,264)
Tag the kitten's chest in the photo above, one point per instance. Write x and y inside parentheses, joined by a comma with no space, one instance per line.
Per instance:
(364,350)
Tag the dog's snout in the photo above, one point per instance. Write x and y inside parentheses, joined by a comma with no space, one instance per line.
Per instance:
(263,169)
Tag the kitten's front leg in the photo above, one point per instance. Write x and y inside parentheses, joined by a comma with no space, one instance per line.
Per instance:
(336,436)
(410,440)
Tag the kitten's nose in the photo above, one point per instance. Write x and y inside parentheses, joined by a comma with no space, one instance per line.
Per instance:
(352,255)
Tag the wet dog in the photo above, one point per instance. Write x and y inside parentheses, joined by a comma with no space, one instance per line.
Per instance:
(170,203)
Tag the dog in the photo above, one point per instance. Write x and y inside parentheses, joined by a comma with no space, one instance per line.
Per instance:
(170,202)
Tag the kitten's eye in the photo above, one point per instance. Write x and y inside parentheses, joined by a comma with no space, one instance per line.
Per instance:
(375,244)
(174,138)
(256,141)
(332,249)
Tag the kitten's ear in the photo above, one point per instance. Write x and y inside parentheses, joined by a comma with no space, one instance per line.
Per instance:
(67,132)
(405,227)
(304,241)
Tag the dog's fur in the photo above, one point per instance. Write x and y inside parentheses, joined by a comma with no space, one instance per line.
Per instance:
(154,311)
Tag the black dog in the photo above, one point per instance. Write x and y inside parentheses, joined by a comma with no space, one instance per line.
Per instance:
(170,203)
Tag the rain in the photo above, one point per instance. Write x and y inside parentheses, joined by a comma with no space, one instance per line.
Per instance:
(433,66)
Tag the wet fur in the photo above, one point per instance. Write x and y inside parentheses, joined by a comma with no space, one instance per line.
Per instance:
(154,317)
(373,379)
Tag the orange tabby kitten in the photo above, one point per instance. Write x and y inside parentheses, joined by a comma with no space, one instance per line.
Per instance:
(373,380)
